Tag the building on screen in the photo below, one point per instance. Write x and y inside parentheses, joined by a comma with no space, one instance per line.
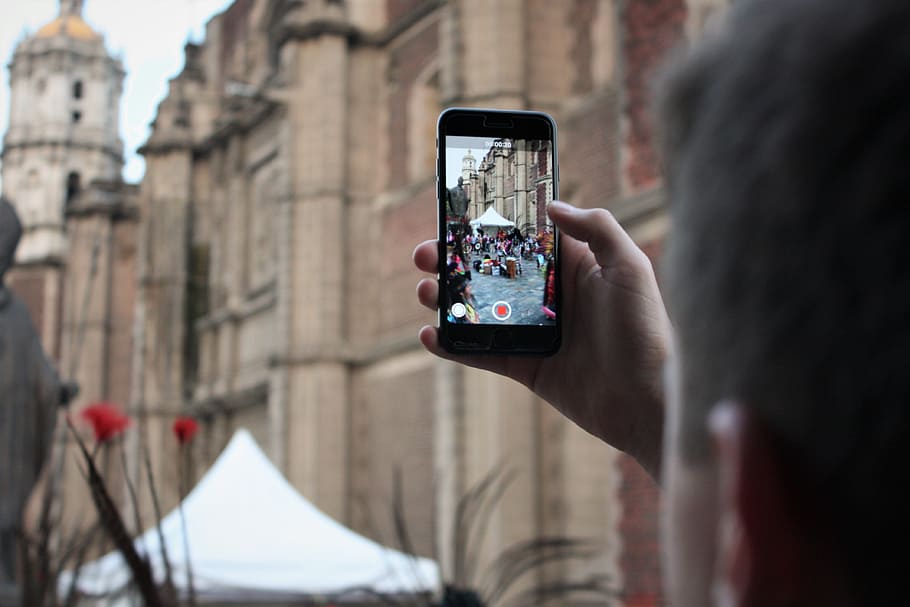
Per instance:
(516,181)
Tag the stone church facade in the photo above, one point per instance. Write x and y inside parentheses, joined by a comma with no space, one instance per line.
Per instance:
(260,275)
(517,182)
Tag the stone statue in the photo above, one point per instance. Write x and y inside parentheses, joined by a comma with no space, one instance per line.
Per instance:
(457,199)
(30,393)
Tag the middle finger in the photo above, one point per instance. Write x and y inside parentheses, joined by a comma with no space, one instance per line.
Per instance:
(428,293)
(426,256)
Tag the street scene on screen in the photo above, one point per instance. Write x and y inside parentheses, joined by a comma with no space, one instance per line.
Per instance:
(501,260)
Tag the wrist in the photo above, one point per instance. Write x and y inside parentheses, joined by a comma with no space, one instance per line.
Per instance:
(641,437)
(647,446)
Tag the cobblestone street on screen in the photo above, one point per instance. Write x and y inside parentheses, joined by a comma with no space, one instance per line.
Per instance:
(524,293)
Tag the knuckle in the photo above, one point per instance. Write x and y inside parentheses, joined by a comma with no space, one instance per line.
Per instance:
(641,262)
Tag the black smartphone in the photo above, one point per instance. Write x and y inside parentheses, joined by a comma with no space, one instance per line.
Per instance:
(499,279)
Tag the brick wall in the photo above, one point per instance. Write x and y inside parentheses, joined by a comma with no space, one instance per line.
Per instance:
(396,9)
(638,526)
(235,24)
(122,307)
(589,152)
(403,226)
(651,28)
(406,62)
(555,37)
(392,431)
(583,13)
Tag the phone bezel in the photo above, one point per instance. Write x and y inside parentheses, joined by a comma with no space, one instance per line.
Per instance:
(533,340)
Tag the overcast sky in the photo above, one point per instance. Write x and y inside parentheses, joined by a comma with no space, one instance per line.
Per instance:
(455,156)
(148,36)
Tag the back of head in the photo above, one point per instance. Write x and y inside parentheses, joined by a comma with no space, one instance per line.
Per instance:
(10,233)
(786,141)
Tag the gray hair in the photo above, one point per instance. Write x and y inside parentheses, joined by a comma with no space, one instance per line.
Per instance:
(786,138)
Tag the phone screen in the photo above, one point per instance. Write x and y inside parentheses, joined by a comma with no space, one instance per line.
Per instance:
(500,245)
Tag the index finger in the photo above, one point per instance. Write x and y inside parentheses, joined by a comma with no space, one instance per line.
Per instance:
(426,256)
(598,228)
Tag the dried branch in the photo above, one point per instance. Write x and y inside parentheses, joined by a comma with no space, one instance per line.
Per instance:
(404,537)
(183,489)
(464,512)
(532,555)
(81,551)
(595,587)
(131,489)
(383,598)
(473,515)
(191,587)
(156,505)
(112,523)
(477,528)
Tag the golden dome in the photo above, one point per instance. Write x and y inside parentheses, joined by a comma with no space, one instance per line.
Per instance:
(69,25)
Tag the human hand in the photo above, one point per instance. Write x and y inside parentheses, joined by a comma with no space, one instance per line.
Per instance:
(607,375)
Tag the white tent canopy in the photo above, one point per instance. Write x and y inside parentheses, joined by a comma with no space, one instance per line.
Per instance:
(492,219)
(251,535)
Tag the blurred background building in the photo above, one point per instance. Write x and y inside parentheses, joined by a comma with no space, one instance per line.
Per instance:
(260,275)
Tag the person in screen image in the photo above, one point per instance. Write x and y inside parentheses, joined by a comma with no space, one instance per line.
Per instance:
(455,267)
(770,397)
(462,305)
(549,306)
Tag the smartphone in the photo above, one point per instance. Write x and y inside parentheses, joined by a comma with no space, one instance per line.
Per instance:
(499,280)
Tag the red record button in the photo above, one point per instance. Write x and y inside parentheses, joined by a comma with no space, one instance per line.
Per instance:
(502,310)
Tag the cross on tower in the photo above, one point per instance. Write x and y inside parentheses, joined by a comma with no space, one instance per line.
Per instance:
(71,7)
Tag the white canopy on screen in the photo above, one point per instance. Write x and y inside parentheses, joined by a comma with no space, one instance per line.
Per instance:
(492,219)
(252,535)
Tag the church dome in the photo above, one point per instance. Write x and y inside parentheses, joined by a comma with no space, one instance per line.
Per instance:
(68,25)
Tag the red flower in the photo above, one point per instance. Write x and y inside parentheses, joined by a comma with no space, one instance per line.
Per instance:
(185,429)
(106,419)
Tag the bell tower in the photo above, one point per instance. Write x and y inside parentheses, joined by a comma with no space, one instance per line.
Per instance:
(63,135)
(63,128)
(468,166)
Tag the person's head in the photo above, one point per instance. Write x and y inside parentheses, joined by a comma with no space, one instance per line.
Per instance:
(460,289)
(10,232)
(786,138)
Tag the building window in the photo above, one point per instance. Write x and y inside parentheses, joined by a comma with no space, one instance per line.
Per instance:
(77,89)
(77,116)
(73,186)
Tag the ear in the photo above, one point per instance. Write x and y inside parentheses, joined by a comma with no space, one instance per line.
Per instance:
(760,541)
